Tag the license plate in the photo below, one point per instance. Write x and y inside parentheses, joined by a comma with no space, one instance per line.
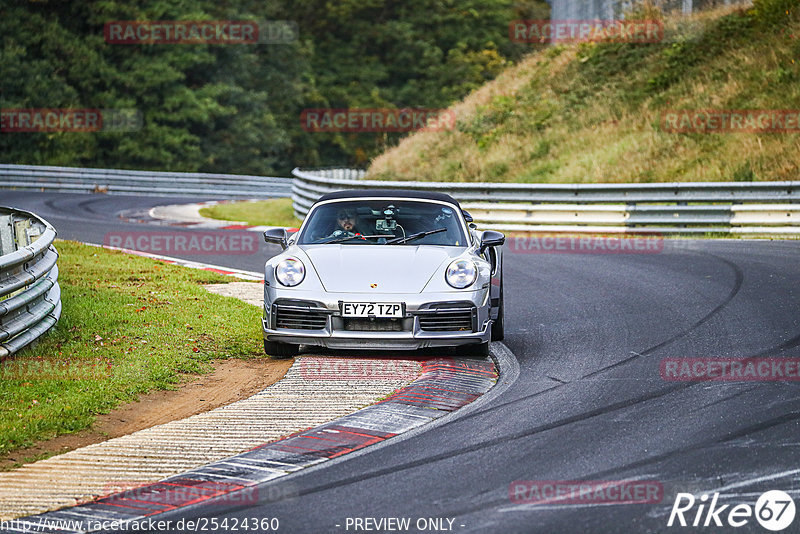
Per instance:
(372,309)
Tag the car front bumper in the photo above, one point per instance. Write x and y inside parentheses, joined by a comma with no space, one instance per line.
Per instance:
(421,313)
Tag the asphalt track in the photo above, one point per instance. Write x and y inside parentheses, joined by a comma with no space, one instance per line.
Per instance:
(589,332)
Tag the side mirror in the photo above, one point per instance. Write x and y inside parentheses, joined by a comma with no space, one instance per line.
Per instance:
(276,236)
(467,216)
(490,238)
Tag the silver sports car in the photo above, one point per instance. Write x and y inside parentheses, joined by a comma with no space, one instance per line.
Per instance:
(384,270)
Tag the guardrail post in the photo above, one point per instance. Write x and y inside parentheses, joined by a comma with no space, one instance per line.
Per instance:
(6,235)
(682,203)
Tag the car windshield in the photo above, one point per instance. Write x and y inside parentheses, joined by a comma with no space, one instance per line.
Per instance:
(384,222)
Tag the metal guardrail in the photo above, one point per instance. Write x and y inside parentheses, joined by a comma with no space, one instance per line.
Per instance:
(30,299)
(683,207)
(336,173)
(113,181)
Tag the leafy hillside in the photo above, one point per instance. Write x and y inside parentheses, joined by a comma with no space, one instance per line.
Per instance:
(595,112)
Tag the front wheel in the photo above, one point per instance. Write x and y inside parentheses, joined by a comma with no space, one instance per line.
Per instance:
(476,351)
(280,350)
(497,325)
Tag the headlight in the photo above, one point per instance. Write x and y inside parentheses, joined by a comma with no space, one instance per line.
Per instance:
(461,274)
(290,272)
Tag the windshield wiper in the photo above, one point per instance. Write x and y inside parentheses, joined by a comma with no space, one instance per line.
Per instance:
(348,238)
(401,240)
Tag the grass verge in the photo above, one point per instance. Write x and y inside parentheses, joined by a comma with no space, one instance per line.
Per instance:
(273,212)
(129,325)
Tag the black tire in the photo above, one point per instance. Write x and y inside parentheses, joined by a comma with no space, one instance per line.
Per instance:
(476,351)
(280,351)
(498,330)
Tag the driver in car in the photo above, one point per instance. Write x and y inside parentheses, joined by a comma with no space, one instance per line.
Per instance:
(346,220)
(346,224)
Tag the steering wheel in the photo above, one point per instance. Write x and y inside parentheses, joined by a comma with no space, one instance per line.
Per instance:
(341,233)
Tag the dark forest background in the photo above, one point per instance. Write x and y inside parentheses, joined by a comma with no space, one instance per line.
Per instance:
(236,108)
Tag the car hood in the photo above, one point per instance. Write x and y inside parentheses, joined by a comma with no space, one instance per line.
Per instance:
(391,269)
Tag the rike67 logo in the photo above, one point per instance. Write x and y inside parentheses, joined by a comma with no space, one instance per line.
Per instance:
(774,510)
